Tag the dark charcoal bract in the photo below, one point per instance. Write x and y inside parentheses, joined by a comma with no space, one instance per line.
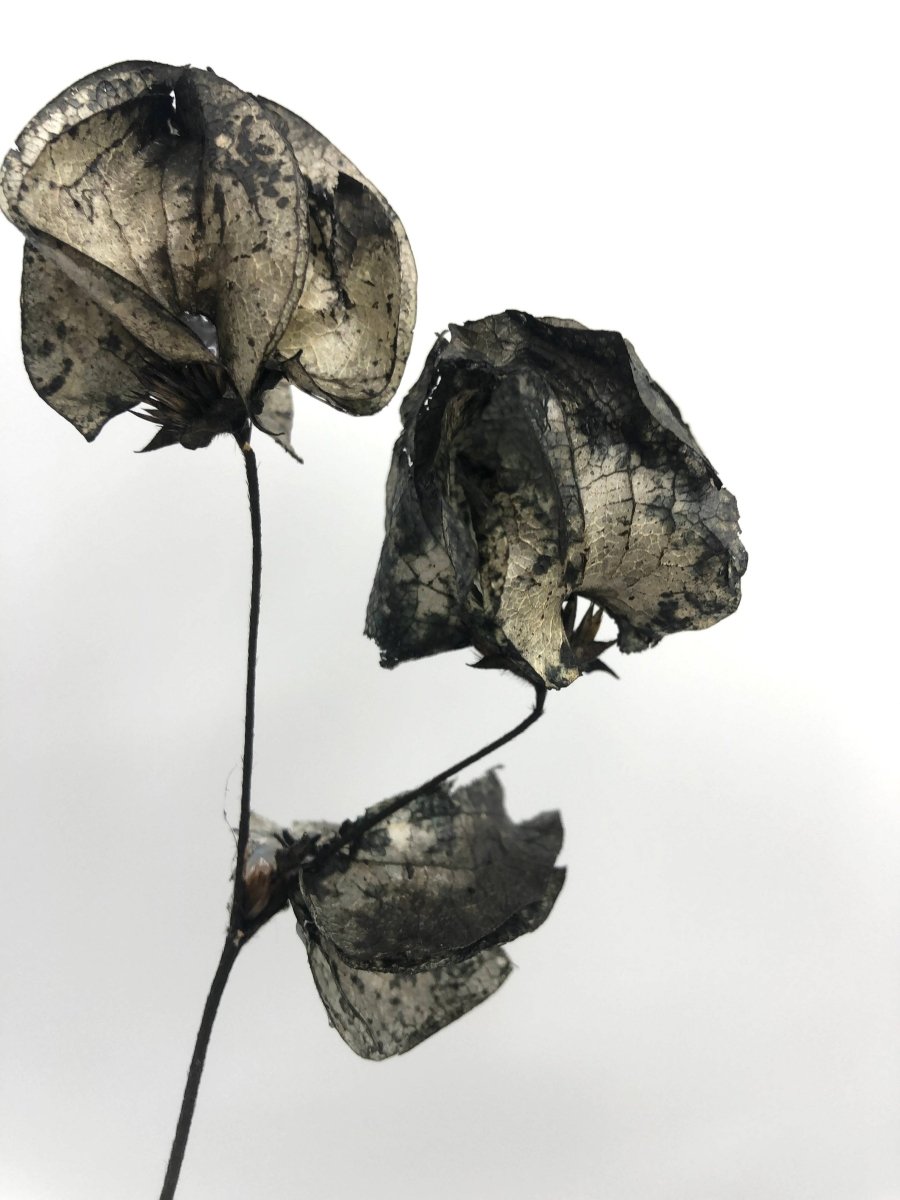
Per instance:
(403,928)
(539,462)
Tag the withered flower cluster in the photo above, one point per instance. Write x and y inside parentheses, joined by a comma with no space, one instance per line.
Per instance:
(539,463)
(403,928)
(192,251)
(192,248)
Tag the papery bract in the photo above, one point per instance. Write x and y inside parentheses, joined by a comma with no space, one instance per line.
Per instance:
(403,927)
(539,462)
(187,236)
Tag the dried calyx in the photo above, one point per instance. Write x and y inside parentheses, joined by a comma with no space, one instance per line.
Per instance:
(157,200)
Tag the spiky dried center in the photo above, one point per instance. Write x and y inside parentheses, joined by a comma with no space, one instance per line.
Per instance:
(191,403)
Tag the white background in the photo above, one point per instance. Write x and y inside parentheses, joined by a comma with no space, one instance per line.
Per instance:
(713,1010)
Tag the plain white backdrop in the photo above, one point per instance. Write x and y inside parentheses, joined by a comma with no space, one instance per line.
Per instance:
(713,1010)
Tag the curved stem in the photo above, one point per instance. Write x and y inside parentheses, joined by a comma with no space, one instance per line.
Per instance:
(351,831)
(238,934)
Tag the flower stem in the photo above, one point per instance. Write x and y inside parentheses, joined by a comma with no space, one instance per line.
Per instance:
(352,831)
(237,907)
(238,935)
(230,951)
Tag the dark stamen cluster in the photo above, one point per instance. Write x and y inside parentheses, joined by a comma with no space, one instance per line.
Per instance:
(191,403)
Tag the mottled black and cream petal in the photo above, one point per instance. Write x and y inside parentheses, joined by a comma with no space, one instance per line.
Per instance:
(254,217)
(181,191)
(382,1014)
(123,88)
(79,357)
(512,479)
(438,879)
(664,551)
(350,334)
(145,320)
(99,190)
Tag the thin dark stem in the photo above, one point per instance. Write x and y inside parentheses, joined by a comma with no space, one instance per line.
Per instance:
(237,905)
(239,933)
(230,951)
(352,831)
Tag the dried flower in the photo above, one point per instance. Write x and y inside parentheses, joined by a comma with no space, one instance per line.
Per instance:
(189,248)
(539,462)
(403,928)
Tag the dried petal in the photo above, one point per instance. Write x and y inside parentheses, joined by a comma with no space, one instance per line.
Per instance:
(381,1014)
(350,335)
(543,463)
(145,320)
(440,878)
(103,93)
(420,614)
(79,357)
(253,215)
(402,928)
(170,198)
(276,415)
(181,192)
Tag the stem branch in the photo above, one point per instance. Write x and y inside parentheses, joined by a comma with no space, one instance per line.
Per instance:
(352,831)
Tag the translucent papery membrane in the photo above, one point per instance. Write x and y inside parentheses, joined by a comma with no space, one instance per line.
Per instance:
(152,193)
(538,462)
(403,927)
